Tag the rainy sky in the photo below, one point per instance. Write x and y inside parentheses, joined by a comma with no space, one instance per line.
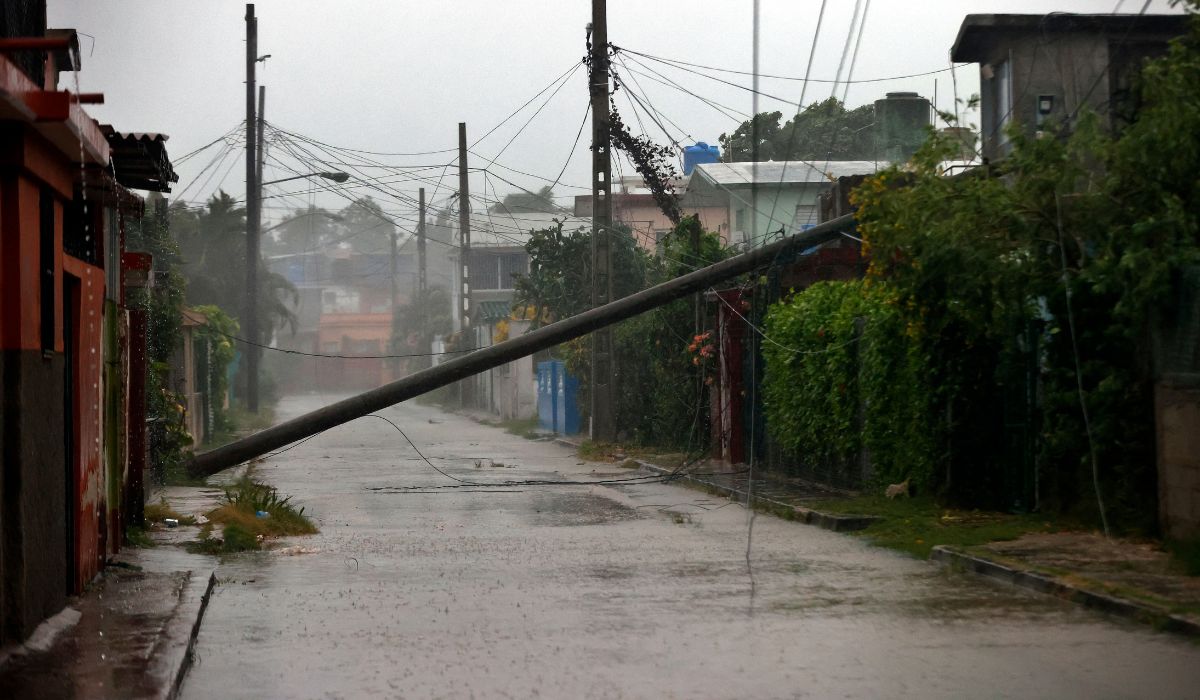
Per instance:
(398,76)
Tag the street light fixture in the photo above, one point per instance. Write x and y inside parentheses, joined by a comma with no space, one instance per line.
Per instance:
(336,176)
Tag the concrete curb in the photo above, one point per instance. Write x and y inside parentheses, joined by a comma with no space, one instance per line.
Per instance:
(1052,586)
(180,653)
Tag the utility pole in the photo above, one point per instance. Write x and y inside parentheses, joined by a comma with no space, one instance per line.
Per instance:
(395,245)
(260,146)
(464,224)
(394,345)
(604,424)
(421,279)
(464,228)
(422,300)
(252,196)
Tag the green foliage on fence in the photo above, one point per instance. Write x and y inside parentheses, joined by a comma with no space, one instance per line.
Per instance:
(844,379)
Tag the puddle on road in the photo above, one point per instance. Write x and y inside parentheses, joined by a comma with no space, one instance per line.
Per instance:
(568,509)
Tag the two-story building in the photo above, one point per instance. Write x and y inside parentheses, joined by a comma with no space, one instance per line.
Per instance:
(1041,72)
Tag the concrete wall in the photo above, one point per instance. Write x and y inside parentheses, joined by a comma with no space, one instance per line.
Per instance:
(766,211)
(1070,67)
(1177,418)
(33,514)
(516,383)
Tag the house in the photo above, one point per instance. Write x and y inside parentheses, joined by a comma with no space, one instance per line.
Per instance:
(343,307)
(769,198)
(72,350)
(634,206)
(1041,70)
(498,255)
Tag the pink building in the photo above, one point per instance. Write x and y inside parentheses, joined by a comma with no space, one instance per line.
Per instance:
(635,207)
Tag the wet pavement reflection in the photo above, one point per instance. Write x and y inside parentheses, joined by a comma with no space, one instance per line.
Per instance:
(617,590)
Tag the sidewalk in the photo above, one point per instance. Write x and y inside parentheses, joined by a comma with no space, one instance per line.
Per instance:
(1123,577)
(1130,579)
(129,636)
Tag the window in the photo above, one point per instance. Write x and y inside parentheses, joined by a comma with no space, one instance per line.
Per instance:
(511,265)
(330,346)
(739,221)
(497,270)
(804,218)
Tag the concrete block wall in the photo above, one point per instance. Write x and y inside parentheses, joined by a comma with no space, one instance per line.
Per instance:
(1177,419)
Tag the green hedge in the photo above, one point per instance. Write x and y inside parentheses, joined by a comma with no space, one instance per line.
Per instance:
(844,376)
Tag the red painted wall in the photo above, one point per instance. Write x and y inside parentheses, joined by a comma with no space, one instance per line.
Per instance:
(91,533)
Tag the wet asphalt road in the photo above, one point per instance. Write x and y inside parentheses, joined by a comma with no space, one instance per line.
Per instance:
(630,591)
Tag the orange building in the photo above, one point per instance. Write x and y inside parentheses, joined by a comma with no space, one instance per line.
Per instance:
(72,354)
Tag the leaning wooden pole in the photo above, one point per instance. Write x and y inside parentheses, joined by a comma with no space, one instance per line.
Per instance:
(482,360)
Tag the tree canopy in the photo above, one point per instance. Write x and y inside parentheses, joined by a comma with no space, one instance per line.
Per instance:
(526,202)
(212,246)
(822,131)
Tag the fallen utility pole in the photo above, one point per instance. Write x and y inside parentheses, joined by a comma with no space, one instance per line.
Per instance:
(482,360)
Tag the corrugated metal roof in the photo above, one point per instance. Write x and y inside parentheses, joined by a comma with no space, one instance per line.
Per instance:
(777,172)
(140,159)
(492,311)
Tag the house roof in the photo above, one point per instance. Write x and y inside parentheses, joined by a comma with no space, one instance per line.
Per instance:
(503,230)
(140,159)
(492,311)
(795,172)
(979,32)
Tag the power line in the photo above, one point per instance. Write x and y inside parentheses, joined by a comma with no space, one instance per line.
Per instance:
(664,80)
(806,79)
(812,51)
(336,356)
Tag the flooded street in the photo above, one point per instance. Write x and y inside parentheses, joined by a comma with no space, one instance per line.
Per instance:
(614,591)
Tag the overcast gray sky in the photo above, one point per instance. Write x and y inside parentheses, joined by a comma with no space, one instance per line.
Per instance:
(398,76)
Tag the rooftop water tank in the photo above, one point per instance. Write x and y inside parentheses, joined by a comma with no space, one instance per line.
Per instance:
(700,153)
(901,120)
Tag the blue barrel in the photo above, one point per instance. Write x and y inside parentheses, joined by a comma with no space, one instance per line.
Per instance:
(567,409)
(547,396)
(700,153)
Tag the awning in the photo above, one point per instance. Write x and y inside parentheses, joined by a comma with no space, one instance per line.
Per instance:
(139,160)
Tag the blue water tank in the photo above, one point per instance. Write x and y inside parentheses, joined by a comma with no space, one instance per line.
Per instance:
(700,153)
